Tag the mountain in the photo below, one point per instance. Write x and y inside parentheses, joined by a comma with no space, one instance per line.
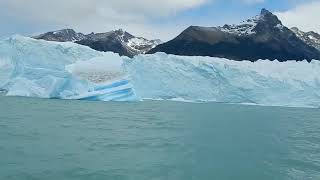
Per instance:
(311,38)
(262,37)
(63,35)
(120,42)
(117,41)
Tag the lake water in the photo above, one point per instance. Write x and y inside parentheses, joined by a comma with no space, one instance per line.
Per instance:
(156,140)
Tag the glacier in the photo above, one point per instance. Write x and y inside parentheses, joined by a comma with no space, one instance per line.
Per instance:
(203,79)
(36,68)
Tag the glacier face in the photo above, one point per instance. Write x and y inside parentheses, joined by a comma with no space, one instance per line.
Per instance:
(37,68)
(202,79)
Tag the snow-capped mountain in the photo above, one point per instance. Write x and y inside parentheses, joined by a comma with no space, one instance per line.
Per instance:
(63,35)
(120,42)
(311,38)
(117,41)
(261,37)
(244,28)
(142,44)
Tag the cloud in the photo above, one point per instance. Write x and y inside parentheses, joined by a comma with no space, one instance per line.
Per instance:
(79,9)
(253,1)
(140,17)
(304,16)
(97,15)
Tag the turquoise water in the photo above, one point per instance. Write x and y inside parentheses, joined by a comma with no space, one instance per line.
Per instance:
(79,140)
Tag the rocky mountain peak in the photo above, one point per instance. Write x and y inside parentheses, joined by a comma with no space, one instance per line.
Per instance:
(118,41)
(260,23)
(62,35)
(268,17)
(260,37)
(311,38)
(267,21)
(123,35)
(265,13)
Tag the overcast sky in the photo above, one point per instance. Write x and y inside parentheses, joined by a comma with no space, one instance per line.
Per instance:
(162,19)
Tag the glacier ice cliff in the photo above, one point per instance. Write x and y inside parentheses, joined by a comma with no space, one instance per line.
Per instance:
(37,68)
(202,79)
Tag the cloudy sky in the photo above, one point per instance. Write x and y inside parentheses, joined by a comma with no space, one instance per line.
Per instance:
(162,19)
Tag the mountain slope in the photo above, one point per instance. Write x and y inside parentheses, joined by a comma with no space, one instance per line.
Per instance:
(262,37)
(311,38)
(119,41)
(63,35)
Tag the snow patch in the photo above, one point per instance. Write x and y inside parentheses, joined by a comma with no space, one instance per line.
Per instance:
(311,37)
(142,45)
(244,28)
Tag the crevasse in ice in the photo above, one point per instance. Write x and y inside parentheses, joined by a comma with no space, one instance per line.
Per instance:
(37,68)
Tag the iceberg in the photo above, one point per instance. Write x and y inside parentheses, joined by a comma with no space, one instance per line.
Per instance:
(36,68)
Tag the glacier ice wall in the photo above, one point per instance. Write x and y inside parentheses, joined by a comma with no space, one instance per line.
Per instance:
(201,79)
(37,68)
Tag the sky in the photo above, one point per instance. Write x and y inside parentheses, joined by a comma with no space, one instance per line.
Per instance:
(153,19)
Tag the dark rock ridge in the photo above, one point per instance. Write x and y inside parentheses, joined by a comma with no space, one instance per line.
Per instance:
(311,38)
(262,37)
(119,41)
(63,35)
